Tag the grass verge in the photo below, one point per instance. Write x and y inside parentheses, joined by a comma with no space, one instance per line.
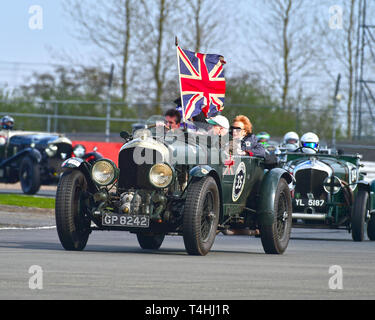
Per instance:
(27,201)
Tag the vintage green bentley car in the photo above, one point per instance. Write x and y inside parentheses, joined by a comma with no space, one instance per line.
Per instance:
(331,192)
(177,182)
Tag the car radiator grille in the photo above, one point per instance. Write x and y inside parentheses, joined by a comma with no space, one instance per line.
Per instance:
(133,175)
(310,181)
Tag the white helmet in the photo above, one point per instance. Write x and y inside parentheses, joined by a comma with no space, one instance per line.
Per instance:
(291,141)
(310,142)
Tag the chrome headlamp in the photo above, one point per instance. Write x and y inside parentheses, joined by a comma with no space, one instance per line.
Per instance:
(104,172)
(51,150)
(161,175)
(332,186)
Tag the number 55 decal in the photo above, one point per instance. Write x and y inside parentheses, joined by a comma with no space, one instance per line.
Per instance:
(239,181)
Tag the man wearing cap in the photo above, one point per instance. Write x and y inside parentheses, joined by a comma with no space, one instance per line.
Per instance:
(220,125)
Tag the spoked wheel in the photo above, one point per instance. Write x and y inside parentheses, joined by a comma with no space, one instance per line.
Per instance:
(275,237)
(29,176)
(72,222)
(359,215)
(201,216)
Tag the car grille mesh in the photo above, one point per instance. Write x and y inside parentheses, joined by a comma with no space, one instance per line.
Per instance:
(310,181)
(133,175)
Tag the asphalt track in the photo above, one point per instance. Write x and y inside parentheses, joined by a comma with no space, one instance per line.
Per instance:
(114,267)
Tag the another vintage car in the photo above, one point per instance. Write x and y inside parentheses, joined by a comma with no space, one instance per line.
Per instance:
(35,158)
(330,192)
(190,188)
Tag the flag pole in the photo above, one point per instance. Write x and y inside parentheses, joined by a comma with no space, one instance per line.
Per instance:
(179,81)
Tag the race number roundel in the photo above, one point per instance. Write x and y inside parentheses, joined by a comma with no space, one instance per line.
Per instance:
(239,181)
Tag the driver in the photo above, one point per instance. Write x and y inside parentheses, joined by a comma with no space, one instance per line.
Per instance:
(310,143)
(243,131)
(172,119)
(7,123)
(291,141)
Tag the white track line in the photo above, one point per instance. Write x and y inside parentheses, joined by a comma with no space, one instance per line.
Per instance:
(29,228)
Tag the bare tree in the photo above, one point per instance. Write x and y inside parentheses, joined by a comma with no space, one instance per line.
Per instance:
(286,45)
(155,42)
(341,46)
(108,25)
(205,25)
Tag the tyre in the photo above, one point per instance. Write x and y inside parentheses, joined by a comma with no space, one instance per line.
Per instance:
(359,215)
(73,226)
(275,237)
(371,228)
(152,242)
(29,175)
(201,216)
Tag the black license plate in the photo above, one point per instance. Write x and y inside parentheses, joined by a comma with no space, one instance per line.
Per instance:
(309,203)
(125,220)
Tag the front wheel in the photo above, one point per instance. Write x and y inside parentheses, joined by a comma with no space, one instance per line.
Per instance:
(275,237)
(359,215)
(201,216)
(29,176)
(73,226)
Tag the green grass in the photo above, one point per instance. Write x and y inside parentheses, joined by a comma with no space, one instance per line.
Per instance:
(27,201)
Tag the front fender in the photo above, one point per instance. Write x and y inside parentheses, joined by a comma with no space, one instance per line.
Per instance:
(83,166)
(201,171)
(31,152)
(34,154)
(266,209)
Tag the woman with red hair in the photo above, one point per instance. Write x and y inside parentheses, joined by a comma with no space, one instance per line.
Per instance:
(243,132)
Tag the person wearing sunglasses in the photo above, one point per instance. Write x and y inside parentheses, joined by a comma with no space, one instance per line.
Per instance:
(242,130)
(310,143)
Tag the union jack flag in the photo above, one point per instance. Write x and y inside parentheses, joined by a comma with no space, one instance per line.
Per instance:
(202,83)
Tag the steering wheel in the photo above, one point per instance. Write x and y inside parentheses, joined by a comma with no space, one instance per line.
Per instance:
(300,149)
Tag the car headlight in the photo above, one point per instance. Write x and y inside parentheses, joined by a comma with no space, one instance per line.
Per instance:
(51,150)
(335,186)
(104,172)
(161,175)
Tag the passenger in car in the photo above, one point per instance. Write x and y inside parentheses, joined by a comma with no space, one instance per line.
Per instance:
(172,119)
(220,125)
(243,132)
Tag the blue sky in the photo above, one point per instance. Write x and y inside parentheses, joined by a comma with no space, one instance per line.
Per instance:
(33,47)
(24,44)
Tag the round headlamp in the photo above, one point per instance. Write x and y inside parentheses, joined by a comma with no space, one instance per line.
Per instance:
(104,172)
(161,175)
(332,186)
(51,150)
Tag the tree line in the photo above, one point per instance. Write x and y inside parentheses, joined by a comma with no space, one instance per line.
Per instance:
(287,56)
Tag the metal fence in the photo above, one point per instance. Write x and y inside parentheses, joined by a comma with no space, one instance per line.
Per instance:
(73,117)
